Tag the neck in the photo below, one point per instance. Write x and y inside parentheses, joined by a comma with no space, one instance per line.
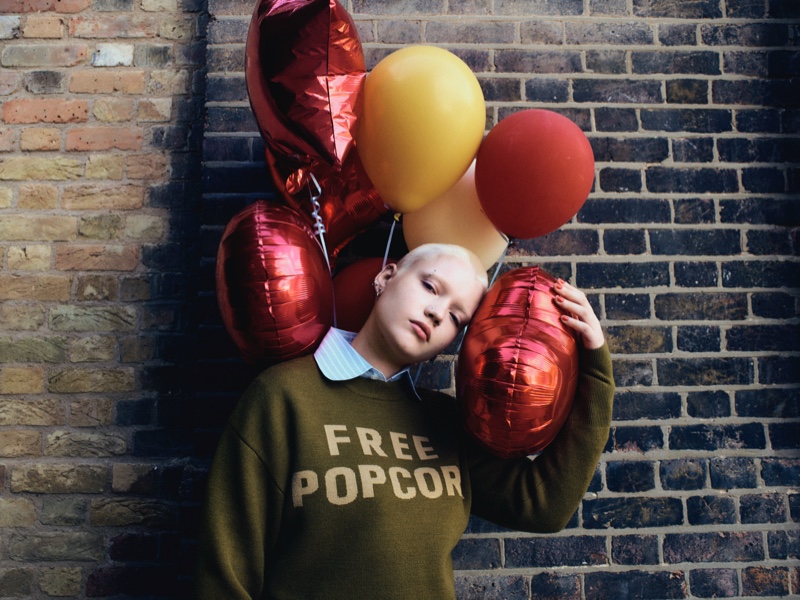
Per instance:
(371,350)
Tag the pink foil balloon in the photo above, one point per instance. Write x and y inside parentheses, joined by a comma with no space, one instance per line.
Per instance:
(273,286)
(518,366)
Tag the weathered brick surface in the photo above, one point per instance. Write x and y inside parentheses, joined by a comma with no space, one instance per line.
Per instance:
(82,84)
(115,373)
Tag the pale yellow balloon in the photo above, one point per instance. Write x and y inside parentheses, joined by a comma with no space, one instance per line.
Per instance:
(456,217)
(422,123)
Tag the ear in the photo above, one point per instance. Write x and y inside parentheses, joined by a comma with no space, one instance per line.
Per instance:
(382,278)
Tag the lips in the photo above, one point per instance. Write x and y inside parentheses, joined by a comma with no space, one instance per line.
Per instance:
(422,330)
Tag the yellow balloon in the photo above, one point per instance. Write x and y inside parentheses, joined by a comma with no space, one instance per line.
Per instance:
(456,217)
(422,123)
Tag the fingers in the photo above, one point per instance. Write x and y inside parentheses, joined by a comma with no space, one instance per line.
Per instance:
(579,314)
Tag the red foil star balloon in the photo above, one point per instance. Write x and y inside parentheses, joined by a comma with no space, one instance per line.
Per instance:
(518,366)
(304,69)
(274,289)
(348,203)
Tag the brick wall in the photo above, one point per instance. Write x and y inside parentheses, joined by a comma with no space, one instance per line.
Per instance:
(100,130)
(115,374)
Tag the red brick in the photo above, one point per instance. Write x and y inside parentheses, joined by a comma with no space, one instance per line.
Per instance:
(45,110)
(104,138)
(26,6)
(107,82)
(116,27)
(93,257)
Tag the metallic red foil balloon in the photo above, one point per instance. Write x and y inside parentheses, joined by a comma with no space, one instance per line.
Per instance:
(354,294)
(304,68)
(518,366)
(348,205)
(274,289)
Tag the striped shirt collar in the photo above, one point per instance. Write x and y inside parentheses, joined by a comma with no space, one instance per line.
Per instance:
(339,361)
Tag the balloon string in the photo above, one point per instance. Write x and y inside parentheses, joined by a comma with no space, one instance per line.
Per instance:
(319,229)
(500,261)
(319,225)
(389,241)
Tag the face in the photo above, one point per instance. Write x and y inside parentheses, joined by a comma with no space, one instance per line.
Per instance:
(421,308)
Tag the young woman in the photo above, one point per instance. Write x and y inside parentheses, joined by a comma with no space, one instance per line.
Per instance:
(335,478)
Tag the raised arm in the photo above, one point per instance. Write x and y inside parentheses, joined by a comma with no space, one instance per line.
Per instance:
(543,494)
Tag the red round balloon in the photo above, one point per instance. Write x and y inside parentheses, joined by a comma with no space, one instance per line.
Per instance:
(273,286)
(533,172)
(348,205)
(518,366)
(304,69)
(354,294)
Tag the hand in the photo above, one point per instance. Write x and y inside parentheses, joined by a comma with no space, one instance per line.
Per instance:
(578,314)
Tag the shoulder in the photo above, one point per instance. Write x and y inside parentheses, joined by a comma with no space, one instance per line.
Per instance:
(272,392)
(296,371)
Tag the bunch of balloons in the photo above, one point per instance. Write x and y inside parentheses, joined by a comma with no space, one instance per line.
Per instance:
(344,146)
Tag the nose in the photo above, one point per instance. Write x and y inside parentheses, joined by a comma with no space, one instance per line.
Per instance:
(434,313)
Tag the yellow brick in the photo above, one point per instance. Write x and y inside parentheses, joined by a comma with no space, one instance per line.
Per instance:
(38,196)
(155,109)
(145,227)
(21,443)
(96,348)
(61,582)
(176,29)
(33,257)
(52,288)
(168,81)
(40,138)
(152,167)
(21,380)
(36,168)
(17,512)
(91,413)
(100,197)
(160,5)
(7,139)
(43,26)
(105,166)
(18,412)
(114,110)
(91,380)
(6,195)
(38,228)
(17,317)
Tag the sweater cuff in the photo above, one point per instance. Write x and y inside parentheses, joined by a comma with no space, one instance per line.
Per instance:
(594,398)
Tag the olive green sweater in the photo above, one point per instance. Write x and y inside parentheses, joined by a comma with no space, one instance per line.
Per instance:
(357,490)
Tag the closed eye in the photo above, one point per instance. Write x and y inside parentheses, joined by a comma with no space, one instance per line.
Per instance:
(456,320)
(428,286)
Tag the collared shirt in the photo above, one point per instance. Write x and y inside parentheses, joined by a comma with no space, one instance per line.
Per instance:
(339,361)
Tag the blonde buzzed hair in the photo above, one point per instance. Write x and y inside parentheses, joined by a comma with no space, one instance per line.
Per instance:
(432,250)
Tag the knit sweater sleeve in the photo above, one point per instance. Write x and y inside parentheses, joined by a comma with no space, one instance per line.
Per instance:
(243,505)
(541,495)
